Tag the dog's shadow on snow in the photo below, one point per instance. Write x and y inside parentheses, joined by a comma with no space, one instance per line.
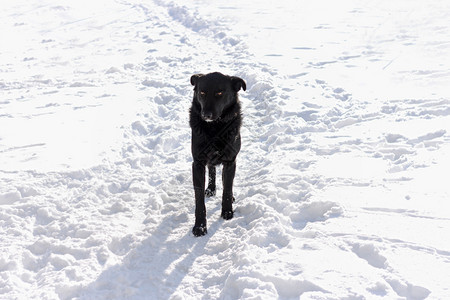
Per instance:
(156,267)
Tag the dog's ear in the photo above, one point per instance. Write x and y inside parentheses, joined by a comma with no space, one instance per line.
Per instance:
(194,79)
(238,83)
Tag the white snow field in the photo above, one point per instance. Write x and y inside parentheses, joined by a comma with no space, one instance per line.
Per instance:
(342,187)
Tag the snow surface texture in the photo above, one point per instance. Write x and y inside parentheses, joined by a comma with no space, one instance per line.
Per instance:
(341,190)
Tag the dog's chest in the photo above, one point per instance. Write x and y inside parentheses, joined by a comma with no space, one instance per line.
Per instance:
(220,143)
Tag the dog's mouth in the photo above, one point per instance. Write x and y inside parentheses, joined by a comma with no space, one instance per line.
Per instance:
(210,119)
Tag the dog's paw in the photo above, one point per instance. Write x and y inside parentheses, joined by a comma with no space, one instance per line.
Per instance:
(199,230)
(210,193)
(227,214)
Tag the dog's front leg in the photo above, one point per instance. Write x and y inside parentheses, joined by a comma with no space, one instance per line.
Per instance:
(211,189)
(229,169)
(198,176)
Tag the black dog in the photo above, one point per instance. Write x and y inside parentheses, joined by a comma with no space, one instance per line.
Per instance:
(215,119)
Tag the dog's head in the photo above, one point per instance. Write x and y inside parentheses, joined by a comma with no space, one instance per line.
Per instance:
(215,93)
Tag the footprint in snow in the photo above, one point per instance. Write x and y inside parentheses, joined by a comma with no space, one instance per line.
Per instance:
(371,254)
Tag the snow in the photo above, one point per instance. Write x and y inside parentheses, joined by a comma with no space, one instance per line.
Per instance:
(341,188)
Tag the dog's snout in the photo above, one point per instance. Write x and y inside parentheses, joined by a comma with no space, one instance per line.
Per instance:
(208,116)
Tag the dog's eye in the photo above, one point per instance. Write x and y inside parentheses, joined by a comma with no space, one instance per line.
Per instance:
(218,94)
(202,93)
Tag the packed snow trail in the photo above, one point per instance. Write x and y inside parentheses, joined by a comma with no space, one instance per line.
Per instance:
(340,186)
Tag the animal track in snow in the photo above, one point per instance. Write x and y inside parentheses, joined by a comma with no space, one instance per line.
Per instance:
(315,212)
(371,254)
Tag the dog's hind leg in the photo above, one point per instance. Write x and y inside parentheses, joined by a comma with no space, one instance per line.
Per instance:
(229,170)
(211,189)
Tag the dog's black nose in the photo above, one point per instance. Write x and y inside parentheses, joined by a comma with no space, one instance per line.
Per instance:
(207,115)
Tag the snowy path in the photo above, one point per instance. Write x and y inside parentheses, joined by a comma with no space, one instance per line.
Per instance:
(341,185)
